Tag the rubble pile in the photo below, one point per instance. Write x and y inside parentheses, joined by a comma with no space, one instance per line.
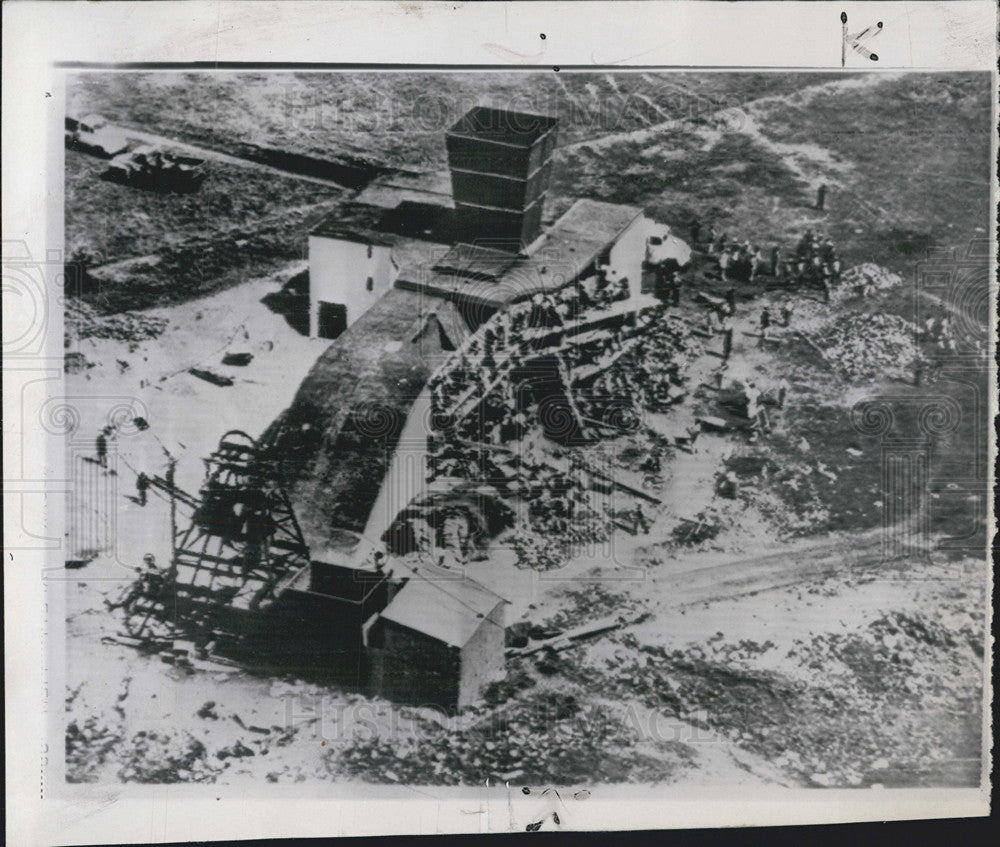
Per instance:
(83,321)
(89,745)
(792,495)
(704,526)
(867,279)
(869,346)
(538,552)
(166,757)
(591,602)
(75,362)
(546,738)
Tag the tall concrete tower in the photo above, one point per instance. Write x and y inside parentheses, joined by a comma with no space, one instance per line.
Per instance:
(501,163)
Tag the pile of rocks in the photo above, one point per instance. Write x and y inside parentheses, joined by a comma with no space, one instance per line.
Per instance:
(702,527)
(165,757)
(75,362)
(537,552)
(866,346)
(866,279)
(89,745)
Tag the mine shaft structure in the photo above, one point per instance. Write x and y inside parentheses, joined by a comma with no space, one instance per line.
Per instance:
(231,560)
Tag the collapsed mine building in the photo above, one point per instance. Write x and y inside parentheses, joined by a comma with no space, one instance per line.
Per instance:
(460,318)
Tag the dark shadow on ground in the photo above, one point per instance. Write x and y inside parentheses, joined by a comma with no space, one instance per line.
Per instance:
(292,302)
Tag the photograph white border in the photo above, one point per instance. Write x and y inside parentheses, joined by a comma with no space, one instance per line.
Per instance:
(42,40)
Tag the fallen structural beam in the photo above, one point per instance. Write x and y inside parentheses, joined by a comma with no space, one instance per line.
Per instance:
(567,639)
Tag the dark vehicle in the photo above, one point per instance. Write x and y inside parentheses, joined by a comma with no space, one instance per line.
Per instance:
(152,168)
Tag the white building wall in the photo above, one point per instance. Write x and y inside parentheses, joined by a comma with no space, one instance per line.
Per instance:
(339,271)
(629,251)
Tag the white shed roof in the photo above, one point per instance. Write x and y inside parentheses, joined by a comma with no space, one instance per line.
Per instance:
(445,607)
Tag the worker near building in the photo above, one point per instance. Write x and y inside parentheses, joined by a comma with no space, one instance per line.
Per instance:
(786,315)
(756,263)
(724,261)
(775,260)
(710,236)
(101,447)
(141,487)
(726,485)
(151,571)
(755,409)
(829,254)
(654,463)
(804,248)
(783,388)
(727,343)
(149,581)
(824,282)
(765,324)
(730,296)
(675,288)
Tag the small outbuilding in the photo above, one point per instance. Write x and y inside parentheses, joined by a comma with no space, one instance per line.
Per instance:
(439,642)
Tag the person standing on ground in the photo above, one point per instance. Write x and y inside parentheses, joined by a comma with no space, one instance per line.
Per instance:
(824,282)
(727,343)
(821,197)
(675,288)
(101,447)
(695,232)
(710,239)
(775,260)
(141,487)
(783,388)
(765,324)
(756,263)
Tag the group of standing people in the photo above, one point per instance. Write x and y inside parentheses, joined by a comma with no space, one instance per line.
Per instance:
(814,262)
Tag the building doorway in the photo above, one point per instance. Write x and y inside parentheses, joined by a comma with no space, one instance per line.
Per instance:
(331,319)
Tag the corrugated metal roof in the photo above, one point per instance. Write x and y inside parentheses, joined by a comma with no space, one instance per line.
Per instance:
(594,220)
(572,243)
(442,606)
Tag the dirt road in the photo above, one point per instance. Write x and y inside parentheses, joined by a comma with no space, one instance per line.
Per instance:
(215,155)
(699,582)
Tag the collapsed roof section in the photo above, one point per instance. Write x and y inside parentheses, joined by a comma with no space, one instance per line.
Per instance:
(337,438)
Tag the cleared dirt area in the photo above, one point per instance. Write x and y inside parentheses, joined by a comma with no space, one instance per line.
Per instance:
(817,639)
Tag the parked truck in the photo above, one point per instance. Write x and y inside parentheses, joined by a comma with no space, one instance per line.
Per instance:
(152,168)
(93,134)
